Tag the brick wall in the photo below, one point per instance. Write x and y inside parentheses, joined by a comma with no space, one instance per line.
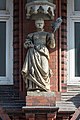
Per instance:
(18,40)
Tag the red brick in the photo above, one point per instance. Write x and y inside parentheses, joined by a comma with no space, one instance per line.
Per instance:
(40,100)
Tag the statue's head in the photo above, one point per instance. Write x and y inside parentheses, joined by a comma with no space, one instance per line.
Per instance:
(39,23)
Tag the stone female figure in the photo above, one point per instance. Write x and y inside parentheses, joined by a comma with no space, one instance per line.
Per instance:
(36,66)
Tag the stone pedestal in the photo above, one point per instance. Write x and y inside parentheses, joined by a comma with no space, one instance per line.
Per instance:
(40,99)
(40,106)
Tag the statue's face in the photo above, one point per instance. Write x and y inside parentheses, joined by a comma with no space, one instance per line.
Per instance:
(39,24)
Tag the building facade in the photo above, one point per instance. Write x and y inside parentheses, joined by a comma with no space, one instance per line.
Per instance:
(64,61)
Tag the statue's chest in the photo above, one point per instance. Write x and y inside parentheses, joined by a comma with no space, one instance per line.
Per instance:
(39,38)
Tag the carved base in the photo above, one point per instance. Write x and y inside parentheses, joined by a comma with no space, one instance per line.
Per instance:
(38,98)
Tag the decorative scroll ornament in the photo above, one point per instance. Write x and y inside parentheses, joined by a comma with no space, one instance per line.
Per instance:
(40,9)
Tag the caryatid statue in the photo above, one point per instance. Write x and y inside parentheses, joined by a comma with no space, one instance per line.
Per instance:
(36,64)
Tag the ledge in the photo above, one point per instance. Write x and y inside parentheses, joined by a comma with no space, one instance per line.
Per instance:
(40,109)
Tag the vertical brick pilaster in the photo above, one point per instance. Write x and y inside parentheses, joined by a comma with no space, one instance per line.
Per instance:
(16,42)
(61,46)
(21,41)
(64,46)
(18,38)
(57,56)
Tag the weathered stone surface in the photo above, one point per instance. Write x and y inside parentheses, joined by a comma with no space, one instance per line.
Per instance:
(36,65)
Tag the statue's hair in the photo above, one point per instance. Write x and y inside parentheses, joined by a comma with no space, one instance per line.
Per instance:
(39,19)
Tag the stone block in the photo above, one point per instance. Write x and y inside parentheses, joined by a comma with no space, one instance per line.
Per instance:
(40,99)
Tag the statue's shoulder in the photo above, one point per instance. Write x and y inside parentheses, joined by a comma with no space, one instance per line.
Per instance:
(30,34)
(48,33)
(41,32)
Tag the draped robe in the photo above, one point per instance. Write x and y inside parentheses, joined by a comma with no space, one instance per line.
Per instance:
(36,66)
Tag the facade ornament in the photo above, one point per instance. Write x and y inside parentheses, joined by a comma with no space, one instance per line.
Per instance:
(36,66)
(40,8)
(36,72)
(49,11)
(31,11)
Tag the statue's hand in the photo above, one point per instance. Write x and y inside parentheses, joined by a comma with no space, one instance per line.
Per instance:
(28,44)
(31,45)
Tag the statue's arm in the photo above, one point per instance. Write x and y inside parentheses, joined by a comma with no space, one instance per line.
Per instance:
(50,37)
(50,40)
